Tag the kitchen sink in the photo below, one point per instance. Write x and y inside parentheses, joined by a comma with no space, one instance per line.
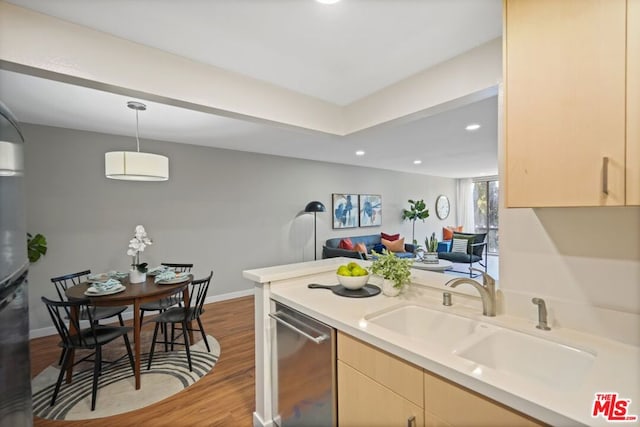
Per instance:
(551,363)
(433,326)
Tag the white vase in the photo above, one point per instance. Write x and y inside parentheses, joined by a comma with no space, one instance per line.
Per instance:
(388,289)
(136,276)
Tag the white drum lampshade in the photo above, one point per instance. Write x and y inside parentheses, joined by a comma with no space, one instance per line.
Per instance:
(136,166)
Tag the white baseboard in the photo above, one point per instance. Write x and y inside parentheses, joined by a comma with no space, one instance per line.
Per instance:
(258,422)
(127,315)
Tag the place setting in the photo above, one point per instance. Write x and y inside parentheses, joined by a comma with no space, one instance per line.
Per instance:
(108,287)
(163,275)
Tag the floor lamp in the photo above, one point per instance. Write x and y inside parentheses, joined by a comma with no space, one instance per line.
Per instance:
(314,207)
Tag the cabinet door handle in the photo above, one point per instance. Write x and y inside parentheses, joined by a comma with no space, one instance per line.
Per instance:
(411,421)
(605,175)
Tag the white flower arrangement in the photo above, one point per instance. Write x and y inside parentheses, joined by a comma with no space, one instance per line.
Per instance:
(136,245)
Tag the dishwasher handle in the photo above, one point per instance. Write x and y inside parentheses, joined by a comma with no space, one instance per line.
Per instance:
(318,340)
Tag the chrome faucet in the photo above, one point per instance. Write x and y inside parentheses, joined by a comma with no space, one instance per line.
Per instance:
(487,290)
(542,314)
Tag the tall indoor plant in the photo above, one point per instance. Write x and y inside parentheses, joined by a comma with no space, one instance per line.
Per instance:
(417,211)
(395,271)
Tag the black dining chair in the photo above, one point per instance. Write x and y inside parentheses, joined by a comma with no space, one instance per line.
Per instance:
(182,316)
(62,283)
(164,303)
(76,338)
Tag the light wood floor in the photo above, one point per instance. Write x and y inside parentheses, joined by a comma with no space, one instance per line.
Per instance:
(224,397)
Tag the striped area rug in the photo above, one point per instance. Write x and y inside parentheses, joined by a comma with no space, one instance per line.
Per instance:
(168,375)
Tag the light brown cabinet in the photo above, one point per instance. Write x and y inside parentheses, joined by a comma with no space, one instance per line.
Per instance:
(448,404)
(376,388)
(633,102)
(566,104)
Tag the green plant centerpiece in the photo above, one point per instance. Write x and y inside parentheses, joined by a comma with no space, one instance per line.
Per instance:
(417,211)
(431,243)
(393,269)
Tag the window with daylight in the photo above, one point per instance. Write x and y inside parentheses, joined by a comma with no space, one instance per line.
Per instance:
(485,207)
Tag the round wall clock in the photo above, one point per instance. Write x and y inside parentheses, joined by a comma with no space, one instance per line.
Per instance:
(442,207)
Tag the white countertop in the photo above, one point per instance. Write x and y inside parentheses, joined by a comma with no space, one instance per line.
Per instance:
(615,368)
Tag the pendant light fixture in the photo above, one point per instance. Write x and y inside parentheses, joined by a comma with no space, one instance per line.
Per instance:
(134,165)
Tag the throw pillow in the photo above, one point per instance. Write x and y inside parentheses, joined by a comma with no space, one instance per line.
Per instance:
(346,244)
(460,245)
(378,248)
(360,247)
(390,237)
(447,232)
(472,238)
(394,246)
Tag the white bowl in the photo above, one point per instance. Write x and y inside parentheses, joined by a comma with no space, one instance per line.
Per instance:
(353,282)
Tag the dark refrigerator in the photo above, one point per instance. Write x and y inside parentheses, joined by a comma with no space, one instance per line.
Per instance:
(15,383)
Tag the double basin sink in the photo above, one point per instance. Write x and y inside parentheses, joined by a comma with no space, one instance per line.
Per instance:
(485,345)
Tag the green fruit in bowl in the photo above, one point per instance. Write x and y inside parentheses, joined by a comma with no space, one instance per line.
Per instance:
(352,265)
(344,271)
(359,271)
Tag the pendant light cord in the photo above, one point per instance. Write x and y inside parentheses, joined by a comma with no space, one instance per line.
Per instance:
(137,138)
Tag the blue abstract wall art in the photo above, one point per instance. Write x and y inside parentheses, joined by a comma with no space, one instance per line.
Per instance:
(370,210)
(345,210)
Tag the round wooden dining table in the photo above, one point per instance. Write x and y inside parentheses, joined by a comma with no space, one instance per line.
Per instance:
(134,294)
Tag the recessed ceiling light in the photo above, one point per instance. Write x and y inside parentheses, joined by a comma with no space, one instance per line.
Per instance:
(328,1)
(417,162)
(472,127)
(359,153)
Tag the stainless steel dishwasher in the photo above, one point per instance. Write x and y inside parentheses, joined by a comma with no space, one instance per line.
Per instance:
(303,370)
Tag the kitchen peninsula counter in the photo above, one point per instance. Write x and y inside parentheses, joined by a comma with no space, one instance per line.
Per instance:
(614,369)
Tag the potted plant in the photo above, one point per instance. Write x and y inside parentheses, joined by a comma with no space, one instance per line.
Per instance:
(432,249)
(417,210)
(395,271)
(36,247)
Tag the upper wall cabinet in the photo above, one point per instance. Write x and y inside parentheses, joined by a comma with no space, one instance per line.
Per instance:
(633,102)
(565,103)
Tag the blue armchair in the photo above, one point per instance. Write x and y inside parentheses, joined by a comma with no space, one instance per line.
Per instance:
(476,251)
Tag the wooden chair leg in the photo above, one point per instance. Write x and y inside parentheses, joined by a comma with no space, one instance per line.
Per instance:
(204,337)
(173,334)
(63,369)
(129,352)
(96,372)
(141,317)
(153,345)
(185,333)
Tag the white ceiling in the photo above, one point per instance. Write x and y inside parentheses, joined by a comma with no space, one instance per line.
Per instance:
(338,53)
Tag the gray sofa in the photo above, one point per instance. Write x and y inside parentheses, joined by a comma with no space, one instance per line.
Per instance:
(331,247)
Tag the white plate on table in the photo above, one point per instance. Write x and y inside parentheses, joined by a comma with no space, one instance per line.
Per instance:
(180,277)
(111,291)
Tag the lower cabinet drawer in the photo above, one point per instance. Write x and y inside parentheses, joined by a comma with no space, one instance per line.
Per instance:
(448,404)
(392,372)
(363,402)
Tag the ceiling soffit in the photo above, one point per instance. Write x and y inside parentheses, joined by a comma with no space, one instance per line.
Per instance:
(38,44)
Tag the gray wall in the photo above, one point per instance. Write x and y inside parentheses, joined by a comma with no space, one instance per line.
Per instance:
(222,210)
